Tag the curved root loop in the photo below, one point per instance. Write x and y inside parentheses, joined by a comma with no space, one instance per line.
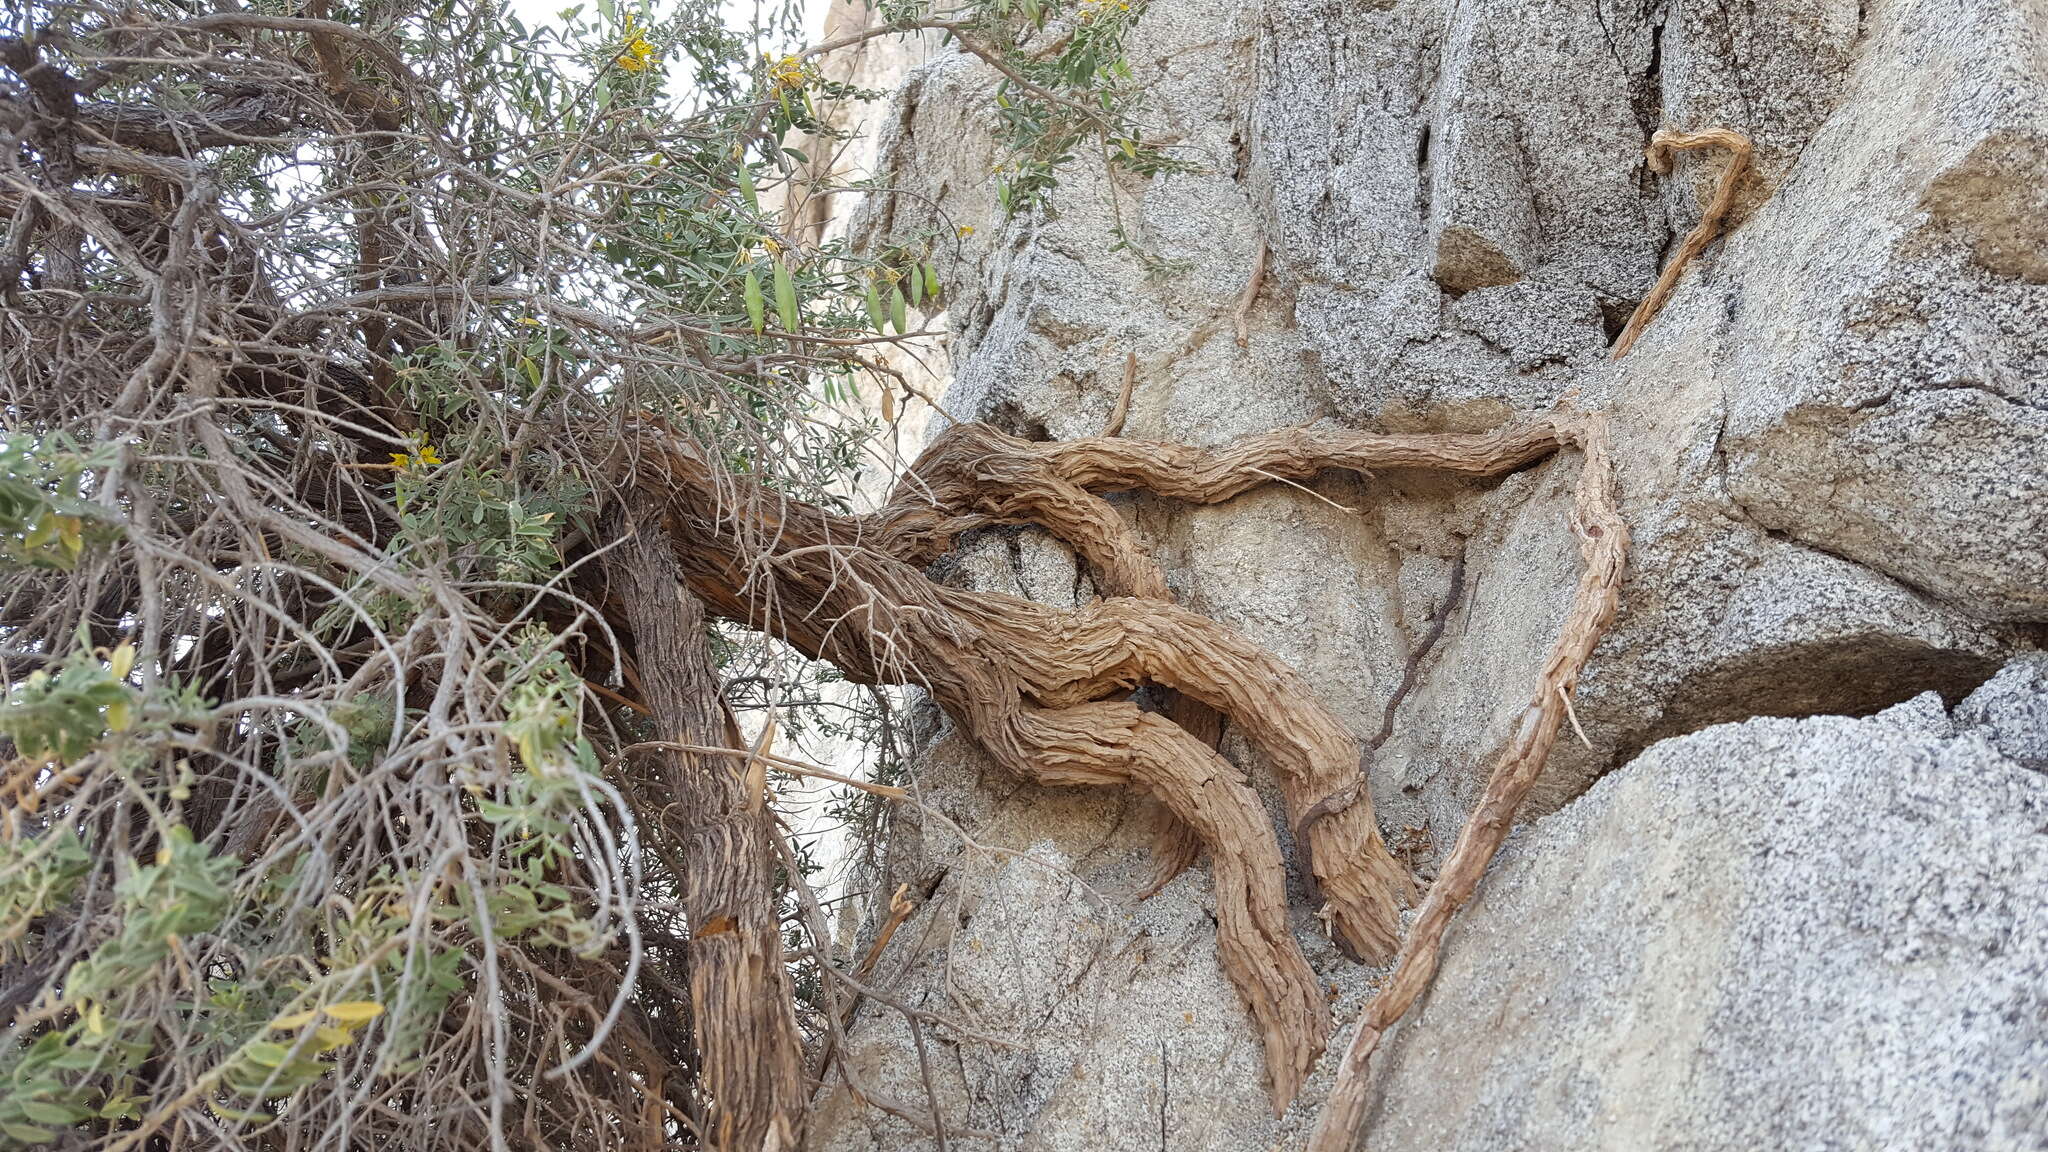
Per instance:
(1035,685)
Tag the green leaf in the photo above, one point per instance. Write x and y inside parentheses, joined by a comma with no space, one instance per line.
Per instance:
(755,314)
(916,284)
(931,279)
(49,1112)
(266,1053)
(785,297)
(876,316)
(747,189)
(899,310)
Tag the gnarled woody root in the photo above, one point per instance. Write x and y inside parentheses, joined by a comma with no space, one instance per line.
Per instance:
(1036,686)
(1662,145)
(1603,544)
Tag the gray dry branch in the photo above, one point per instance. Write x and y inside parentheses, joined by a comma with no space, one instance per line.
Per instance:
(1041,689)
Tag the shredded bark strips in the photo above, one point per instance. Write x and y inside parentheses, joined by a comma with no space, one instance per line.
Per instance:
(1662,145)
(1045,691)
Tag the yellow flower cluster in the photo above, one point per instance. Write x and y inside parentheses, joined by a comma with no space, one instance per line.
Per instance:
(426,457)
(786,73)
(1090,9)
(638,52)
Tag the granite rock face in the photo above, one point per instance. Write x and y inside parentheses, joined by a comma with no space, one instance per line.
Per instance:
(1799,934)
(1830,445)
(2011,711)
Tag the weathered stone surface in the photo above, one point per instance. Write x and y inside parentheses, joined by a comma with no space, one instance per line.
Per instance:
(2010,711)
(1822,933)
(1830,449)
(1888,354)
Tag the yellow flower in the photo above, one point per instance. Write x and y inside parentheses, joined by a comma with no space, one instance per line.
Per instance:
(965,230)
(637,53)
(787,72)
(427,457)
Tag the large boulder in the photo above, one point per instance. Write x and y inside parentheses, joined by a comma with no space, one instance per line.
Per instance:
(1829,448)
(1811,934)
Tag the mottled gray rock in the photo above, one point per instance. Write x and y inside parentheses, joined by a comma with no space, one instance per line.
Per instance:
(1888,353)
(1829,448)
(2011,711)
(1923,715)
(1816,934)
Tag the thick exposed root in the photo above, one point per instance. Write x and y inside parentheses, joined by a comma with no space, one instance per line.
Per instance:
(1176,845)
(975,475)
(1037,686)
(1114,644)
(1603,544)
(1116,743)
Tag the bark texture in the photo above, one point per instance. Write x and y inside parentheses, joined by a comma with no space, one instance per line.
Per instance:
(1038,688)
(751,1059)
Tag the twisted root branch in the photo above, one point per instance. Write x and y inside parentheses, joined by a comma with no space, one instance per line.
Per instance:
(1603,545)
(1039,687)
(1662,145)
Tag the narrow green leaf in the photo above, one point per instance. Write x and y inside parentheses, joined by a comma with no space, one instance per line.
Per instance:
(755,314)
(785,297)
(876,316)
(916,285)
(51,1112)
(266,1053)
(899,310)
(747,189)
(931,279)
